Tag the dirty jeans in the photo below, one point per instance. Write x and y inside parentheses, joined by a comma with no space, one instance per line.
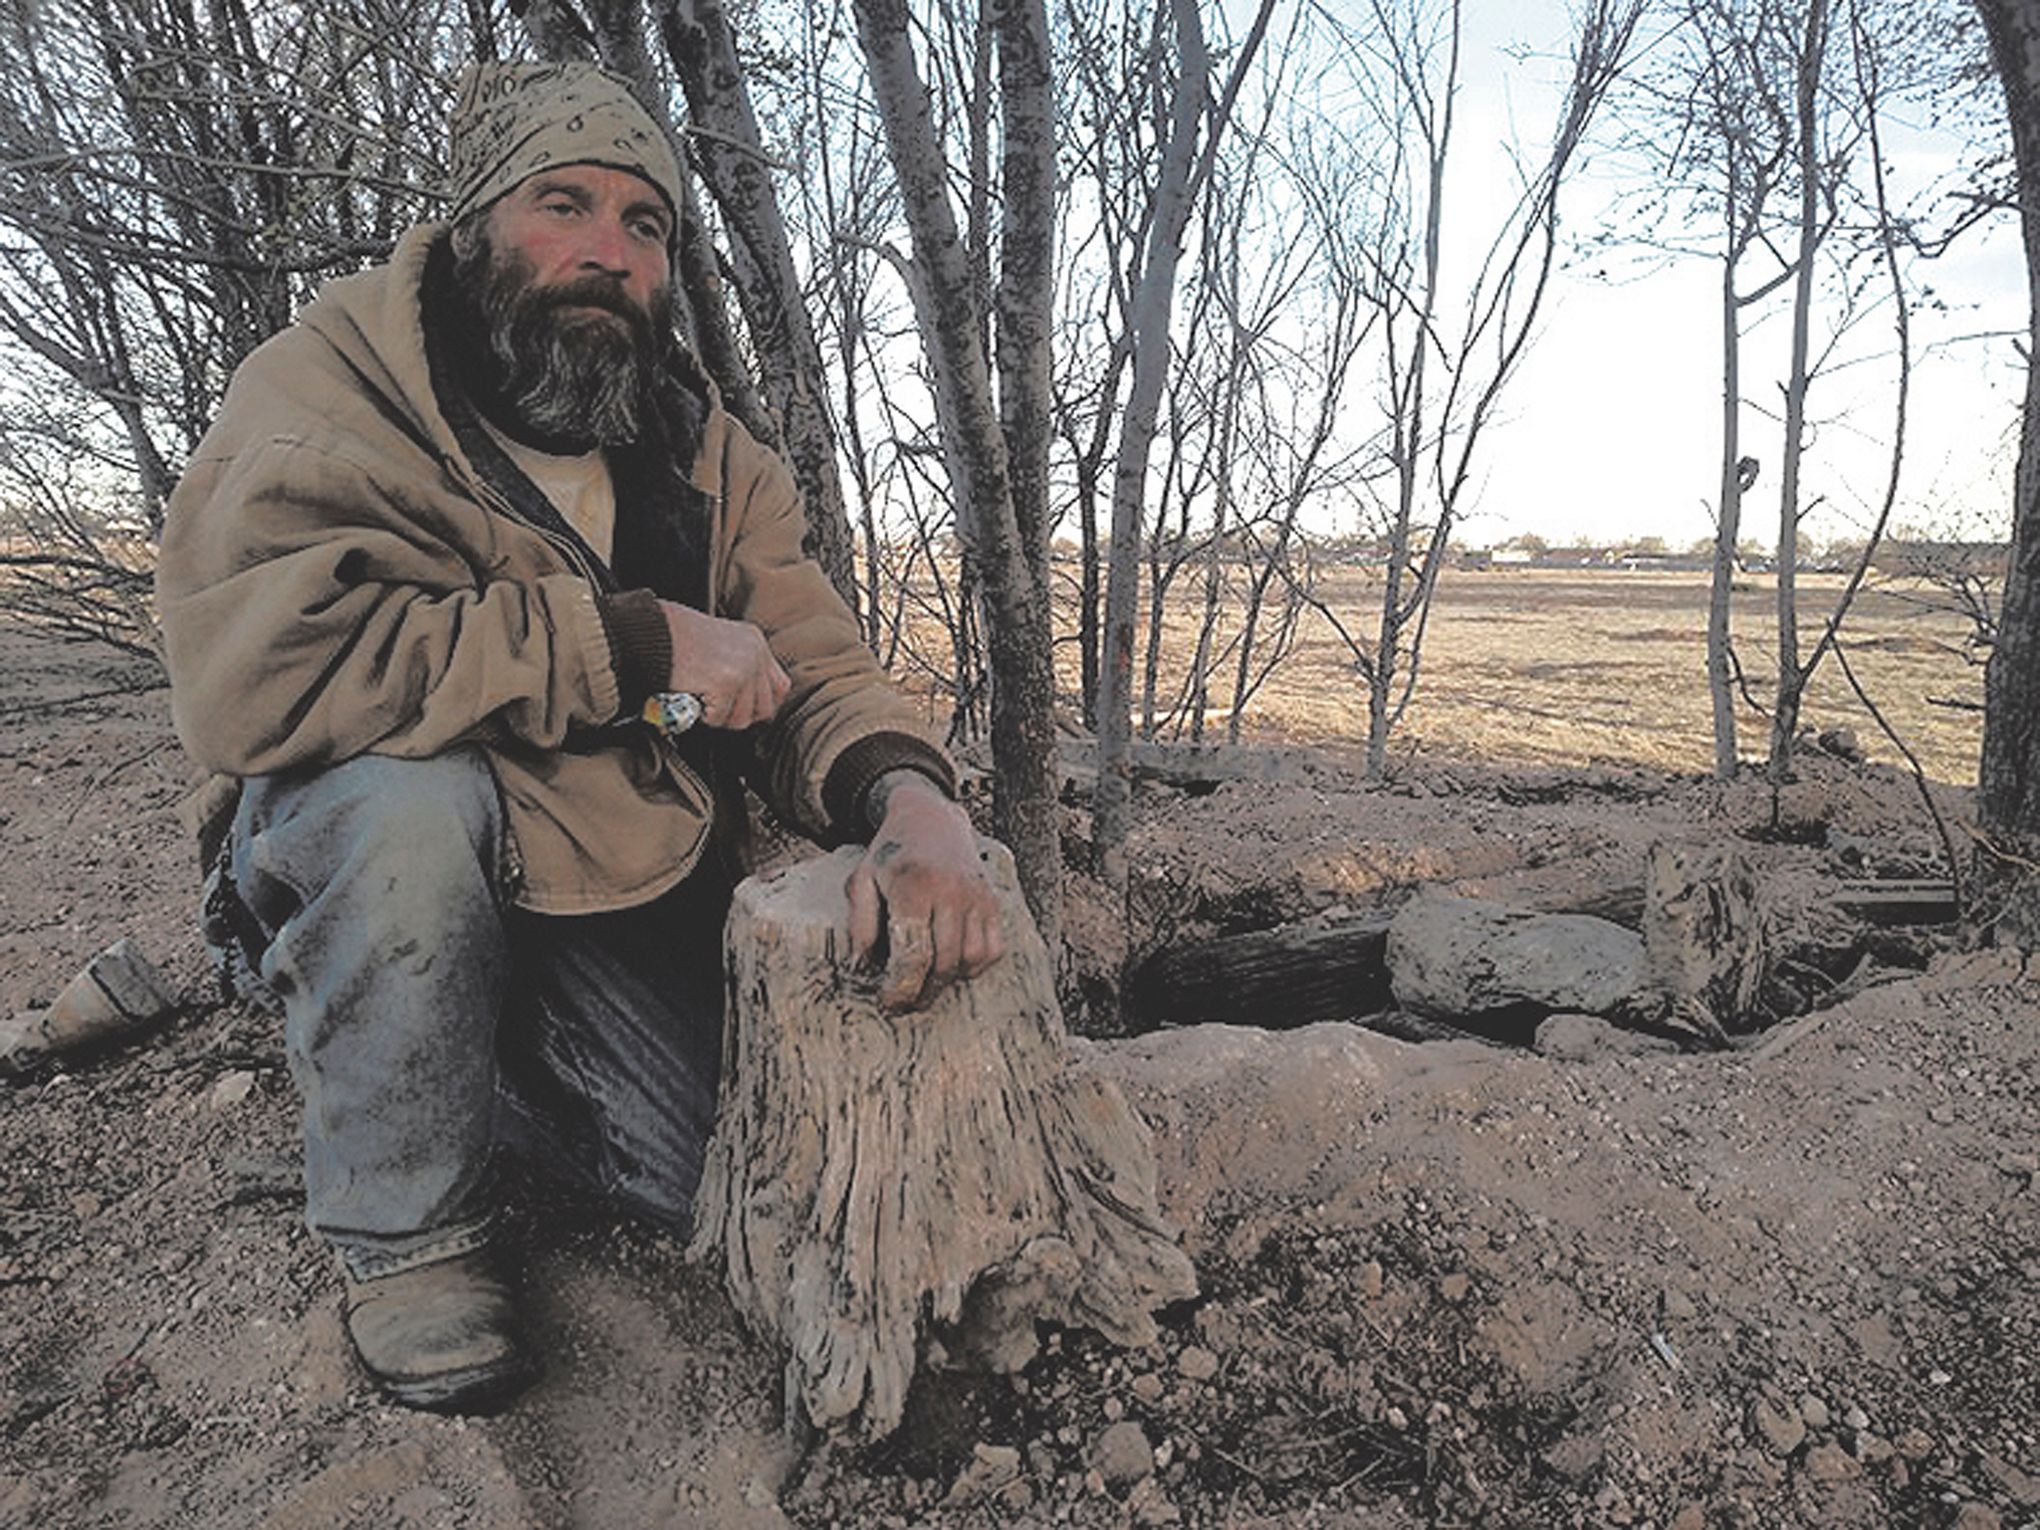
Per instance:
(429,1023)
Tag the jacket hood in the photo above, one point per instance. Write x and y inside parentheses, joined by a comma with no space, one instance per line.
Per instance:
(374,321)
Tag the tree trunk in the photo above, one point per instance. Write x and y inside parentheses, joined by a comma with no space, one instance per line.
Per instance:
(733,164)
(1026,295)
(878,1180)
(1728,523)
(1018,633)
(2007,883)
(1408,401)
(1154,301)
(1791,677)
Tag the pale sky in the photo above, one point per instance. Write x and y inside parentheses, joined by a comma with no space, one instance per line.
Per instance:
(1613,426)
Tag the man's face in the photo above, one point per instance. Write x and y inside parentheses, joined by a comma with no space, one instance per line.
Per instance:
(570,277)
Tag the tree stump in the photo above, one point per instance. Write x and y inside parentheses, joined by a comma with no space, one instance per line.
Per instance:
(1707,937)
(879,1185)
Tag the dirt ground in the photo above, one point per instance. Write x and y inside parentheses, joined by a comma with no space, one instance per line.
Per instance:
(1443,1284)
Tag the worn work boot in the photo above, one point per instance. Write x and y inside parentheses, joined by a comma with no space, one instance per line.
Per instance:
(442,1336)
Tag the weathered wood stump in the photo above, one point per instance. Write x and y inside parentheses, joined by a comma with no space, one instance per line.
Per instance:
(1707,937)
(880,1184)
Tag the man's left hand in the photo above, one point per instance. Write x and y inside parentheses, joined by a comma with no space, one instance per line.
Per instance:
(923,877)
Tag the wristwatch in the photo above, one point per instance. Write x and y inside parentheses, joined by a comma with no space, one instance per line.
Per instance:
(672,712)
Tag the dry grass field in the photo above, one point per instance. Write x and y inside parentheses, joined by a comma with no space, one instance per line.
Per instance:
(1609,667)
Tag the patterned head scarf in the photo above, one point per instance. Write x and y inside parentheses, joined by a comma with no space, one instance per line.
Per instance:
(514,120)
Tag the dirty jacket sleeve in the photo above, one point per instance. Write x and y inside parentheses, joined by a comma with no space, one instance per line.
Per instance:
(317,607)
(843,725)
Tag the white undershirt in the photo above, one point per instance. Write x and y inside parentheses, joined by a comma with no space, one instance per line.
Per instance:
(579,487)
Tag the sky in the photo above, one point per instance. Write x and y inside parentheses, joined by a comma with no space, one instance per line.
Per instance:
(1612,428)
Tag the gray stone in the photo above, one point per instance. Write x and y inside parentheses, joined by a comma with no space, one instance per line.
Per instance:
(1197,1363)
(1581,1038)
(232,1089)
(1779,1428)
(990,1468)
(1122,1455)
(1813,1411)
(1449,955)
(1831,1463)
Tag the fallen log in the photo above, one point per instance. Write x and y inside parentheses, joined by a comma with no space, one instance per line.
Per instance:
(1329,967)
(882,1185)
(1893,902)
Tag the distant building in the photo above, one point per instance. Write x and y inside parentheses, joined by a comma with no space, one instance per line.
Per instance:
(1983,559)
(1574,557)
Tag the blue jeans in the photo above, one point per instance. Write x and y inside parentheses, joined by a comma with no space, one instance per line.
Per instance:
(429,1023)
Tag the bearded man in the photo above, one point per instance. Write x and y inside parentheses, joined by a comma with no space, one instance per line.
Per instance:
(469,547)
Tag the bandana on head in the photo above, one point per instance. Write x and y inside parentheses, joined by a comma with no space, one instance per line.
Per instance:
(514,120)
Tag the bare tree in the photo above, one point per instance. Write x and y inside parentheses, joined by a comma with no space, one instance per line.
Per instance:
(1727,155)
(1183,171)
(174,178)
(1002,538)
(1441,382)
(728,149)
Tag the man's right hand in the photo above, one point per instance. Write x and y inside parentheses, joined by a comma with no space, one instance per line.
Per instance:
(727,664)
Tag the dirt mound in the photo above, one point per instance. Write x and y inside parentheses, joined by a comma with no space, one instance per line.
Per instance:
(1443,1283)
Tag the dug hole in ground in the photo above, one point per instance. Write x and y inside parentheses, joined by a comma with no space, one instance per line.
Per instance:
(1443,1283)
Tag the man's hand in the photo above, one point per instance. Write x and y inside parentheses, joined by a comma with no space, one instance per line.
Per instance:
(923,875)
(727,665)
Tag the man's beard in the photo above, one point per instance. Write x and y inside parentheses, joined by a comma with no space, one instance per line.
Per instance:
(568,379)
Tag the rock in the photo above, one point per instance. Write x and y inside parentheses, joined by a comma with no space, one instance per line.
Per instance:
(1916,1445)
(1148,1387)
(1582,1038)
(1855,1417)
(1830,1463)
(1780,1429)
(1842,743)
(1149,1504)
(1977,1516)
(1122,1456)
(2019,1485)
(1370,1280)
(990,1468)
(1451,956)
(115,995)
(1813,1411)
(1575,1458)
(1197,1363)
(1455,1287)
(231,1089)
(1677,1306)
(1690,1517)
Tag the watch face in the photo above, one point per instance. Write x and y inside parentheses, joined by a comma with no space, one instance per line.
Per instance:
(673,711)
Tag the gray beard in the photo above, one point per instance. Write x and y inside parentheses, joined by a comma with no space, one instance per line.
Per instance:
(571,380)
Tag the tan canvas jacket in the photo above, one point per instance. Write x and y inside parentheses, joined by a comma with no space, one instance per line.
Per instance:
(338,578)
